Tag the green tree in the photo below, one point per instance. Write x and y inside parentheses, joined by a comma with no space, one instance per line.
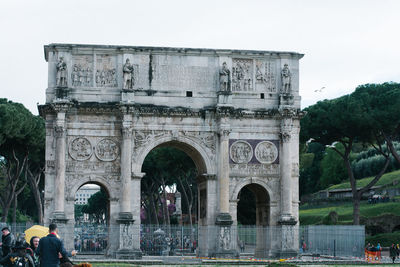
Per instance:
(344,120)
(22,139)
(333,170)
(310,168)
(166,167)
(381,102)
(97,206)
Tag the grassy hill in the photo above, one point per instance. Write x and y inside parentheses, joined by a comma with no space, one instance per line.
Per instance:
(391,179)
(314,215)
(310,215)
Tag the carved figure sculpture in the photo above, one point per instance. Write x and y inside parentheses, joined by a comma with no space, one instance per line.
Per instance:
(128,75)
(286,79)
(88,76)
(61,79)
(75,76)
(82,77)
(224,78)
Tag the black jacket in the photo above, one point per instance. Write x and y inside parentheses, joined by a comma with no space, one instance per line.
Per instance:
(10,259)
(8,242)
(48,250)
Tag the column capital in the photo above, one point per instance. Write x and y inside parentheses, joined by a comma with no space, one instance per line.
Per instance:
(60,131)
(126,132)
(61,107)
(137,176)
(224,133)
(285,137)
(126,108)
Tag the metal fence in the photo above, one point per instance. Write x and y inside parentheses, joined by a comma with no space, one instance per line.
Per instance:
(335,240)
(91,238)
(168,240)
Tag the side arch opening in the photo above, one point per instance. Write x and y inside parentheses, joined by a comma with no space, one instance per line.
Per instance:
(92,218)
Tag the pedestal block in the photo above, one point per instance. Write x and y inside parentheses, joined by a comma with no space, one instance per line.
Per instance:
(127,233)
(226,237)
(289,239)
(224,98)
(127,96)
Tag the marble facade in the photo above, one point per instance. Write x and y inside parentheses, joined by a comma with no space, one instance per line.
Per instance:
(234,112)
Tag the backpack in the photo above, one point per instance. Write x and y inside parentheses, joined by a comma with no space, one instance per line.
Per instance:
(24,261)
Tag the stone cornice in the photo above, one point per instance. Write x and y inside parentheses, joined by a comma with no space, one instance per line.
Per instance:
(118,49)
(165,111)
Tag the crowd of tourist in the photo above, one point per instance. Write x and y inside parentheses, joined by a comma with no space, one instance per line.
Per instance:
(394,250)
(160,244)
(47,251)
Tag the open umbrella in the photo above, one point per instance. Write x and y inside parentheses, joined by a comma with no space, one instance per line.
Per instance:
(36,230)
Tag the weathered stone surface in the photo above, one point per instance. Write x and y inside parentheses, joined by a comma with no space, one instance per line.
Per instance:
(235,113)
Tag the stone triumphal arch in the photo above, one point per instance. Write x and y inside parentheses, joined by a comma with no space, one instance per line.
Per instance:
(234,112)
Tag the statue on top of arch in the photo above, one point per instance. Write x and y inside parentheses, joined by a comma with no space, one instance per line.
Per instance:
(286,76)
(61,79)
(129,79)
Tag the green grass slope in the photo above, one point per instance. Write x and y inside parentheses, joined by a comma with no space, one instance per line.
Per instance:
(386,179)
(310,216)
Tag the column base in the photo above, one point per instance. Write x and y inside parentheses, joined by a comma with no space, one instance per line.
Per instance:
(224,219)
(128,254)
(127,96)
(287,219)
(125,217)
(224,99)
(59,217)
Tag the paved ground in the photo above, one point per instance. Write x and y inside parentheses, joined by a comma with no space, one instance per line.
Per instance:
(193,261)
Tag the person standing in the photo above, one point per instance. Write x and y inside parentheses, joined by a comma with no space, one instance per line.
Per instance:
(7,241)
(50,247)
(19,257)
(33,245)
(392,252)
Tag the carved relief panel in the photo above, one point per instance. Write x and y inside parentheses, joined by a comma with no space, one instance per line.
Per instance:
(242,75)
(266,152)
(265,76)
(241,152)
(106,71)
(80,149)
(105,161)
(107,150)
(82,71)
(254,157)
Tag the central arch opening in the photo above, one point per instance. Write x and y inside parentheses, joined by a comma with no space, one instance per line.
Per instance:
(170,200)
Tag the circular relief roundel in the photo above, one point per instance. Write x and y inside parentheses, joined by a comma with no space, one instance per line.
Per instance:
(107,150)
(266,152)
(241,152)
(80,149)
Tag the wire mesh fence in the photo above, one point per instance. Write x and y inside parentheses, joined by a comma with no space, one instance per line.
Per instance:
(334,240)
(168,240)
(91,238)
(248,240)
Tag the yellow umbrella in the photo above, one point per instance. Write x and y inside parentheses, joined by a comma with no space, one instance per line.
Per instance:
(36,230)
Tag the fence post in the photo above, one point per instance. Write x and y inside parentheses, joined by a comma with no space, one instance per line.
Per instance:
(334,247)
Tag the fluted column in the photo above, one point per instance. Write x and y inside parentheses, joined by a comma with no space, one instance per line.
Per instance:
(224,172)
(59,183)
(126,171)
(285,162)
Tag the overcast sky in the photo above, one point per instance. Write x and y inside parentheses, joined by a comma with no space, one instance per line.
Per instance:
(346,43)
